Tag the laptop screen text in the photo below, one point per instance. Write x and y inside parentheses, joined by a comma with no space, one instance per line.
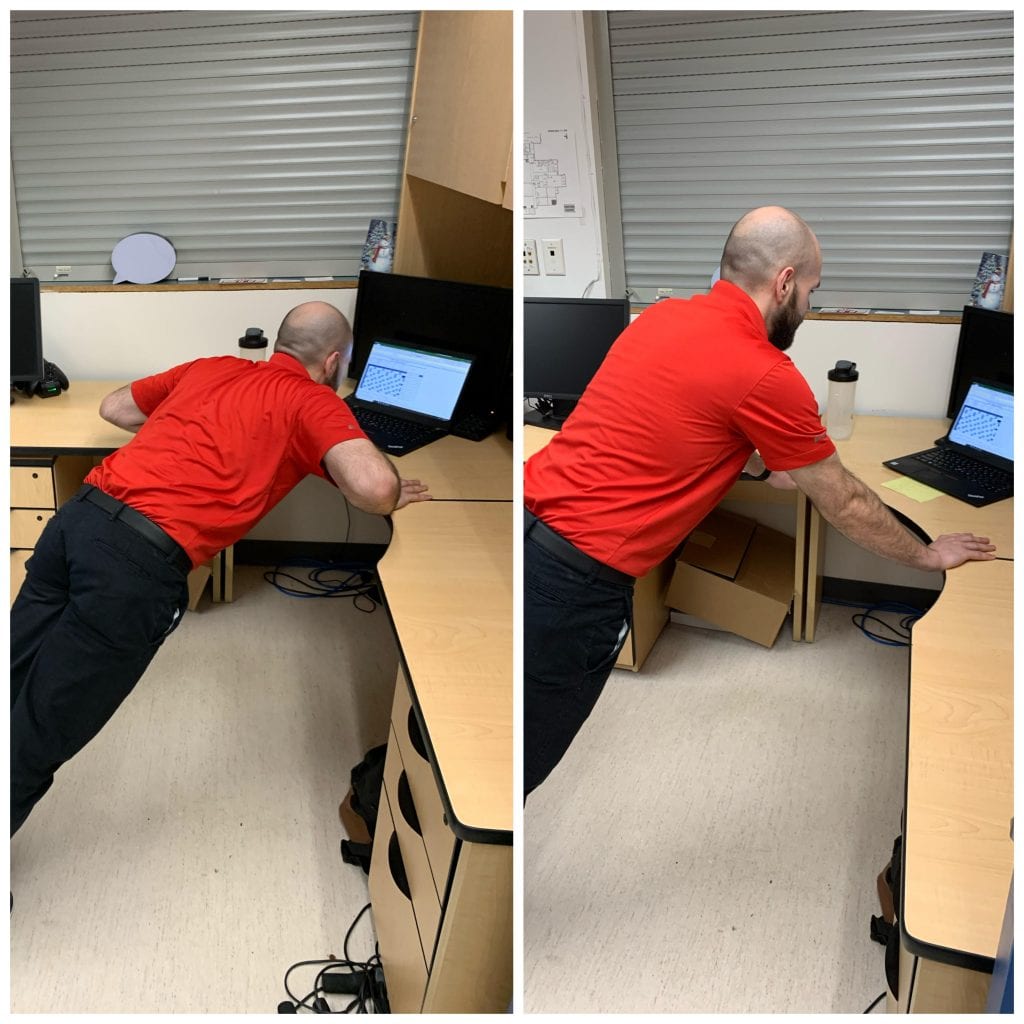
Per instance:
(985,421)
(416,380)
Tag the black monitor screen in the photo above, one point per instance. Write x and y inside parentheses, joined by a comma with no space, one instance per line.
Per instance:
(984,352)
(472,319)
(566,340)
(26,331)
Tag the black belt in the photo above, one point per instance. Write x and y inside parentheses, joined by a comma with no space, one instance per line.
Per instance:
(565,551)
(140,524)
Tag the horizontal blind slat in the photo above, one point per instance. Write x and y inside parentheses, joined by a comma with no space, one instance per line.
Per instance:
(248,138)
(890,132)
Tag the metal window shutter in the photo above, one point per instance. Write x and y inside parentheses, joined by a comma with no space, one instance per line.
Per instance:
(259,142)
(891,133)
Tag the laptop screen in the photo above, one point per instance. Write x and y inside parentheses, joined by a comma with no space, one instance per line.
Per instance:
(415,379)
(985,421)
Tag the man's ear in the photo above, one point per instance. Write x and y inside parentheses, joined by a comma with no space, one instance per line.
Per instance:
(785,282)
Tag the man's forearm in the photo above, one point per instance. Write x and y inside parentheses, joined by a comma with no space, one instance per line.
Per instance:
(863,517)
(120,409)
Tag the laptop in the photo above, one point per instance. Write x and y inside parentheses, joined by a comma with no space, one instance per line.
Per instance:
(974,461)
(407,394)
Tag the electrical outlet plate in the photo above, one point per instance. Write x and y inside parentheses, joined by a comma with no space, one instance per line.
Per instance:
(530,265)
(554,260)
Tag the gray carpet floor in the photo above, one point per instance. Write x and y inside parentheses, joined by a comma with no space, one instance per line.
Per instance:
(711,841)
(190,854)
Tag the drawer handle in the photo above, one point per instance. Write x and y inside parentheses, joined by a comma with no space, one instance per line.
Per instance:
(406,806)
(415,736)
(39,519)
(398,867)
(35,476)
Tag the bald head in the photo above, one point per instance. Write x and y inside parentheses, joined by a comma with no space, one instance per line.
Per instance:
(312,331)
(766,241)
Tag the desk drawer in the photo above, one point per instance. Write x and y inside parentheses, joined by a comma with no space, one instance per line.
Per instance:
(18,560)
(27,524)
(438,838)
(394,920)
(32,487)
(425,902)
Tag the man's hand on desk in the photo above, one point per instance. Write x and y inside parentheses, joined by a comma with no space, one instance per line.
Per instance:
(953,549)
(856,511)
(412,490)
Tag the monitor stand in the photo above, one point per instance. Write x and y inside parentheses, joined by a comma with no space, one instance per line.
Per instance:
(552,413)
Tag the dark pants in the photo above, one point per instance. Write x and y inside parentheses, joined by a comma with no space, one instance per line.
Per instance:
(97,602)
(574,625)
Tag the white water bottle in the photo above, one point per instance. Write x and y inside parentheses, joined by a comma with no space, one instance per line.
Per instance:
(842,384)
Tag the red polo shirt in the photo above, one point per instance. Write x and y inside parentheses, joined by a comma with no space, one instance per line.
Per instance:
(683,398)
(225,440)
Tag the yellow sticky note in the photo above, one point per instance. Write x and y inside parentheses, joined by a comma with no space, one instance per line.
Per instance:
(913,489)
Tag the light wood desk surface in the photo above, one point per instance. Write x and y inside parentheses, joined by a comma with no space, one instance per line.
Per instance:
(959,801)
(67,424)
(877,438)
(455,633)
(958,853)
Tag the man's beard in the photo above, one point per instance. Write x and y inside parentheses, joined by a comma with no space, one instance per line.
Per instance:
(782,329)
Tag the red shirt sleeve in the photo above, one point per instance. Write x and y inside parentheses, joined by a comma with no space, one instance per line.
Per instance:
(149,392)
(780,418)
(326,421)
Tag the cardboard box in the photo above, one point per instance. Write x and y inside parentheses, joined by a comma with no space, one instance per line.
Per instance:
(650,615)
(735,574)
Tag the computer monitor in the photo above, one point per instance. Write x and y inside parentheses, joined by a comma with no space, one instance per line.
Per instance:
(984,351)
(26,331)
(564,342)
(472,319)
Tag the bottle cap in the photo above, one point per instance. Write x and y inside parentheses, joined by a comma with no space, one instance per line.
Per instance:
(844,371)
(254,338)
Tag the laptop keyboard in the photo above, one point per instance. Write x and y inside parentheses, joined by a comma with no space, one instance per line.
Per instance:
(388,431)
(948,461)
(474,426)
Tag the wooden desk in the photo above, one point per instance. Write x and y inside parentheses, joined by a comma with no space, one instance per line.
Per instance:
(69,424)
(455,638)
(447,581)
(875,439)
(958,855)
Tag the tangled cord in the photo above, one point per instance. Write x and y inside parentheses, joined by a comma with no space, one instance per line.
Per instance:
(321,580)
(366,982)
(900,634)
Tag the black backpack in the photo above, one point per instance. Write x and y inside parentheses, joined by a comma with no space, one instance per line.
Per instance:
(367,783)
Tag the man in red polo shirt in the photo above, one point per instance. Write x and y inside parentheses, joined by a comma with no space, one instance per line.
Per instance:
(691,394)
(218,443)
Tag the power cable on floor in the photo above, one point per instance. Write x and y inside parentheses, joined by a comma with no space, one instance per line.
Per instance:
(364,980)
(900,635)
(326,579)
(875,1003)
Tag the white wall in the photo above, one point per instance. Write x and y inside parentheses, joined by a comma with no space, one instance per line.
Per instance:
(556,94)
(905,369)
(112,335)
(121,336)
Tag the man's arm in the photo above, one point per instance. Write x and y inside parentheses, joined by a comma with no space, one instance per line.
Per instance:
(369,480)
(858,513)
(120,409)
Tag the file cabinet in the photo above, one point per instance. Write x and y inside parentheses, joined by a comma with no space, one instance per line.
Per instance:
(441,904)
(38,488)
